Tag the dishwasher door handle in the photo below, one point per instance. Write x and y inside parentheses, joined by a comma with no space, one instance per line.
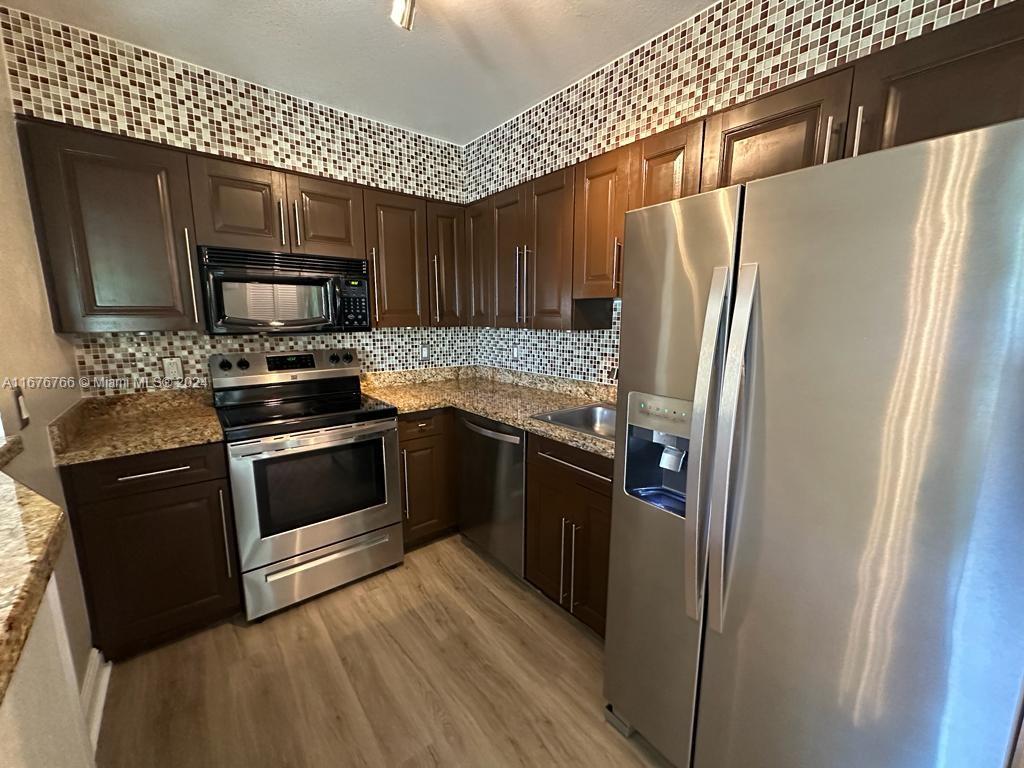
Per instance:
(491,433)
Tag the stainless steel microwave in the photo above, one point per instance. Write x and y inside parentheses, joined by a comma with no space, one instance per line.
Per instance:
(252,292)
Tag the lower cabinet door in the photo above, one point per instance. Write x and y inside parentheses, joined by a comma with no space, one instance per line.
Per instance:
(589,539)
(426,499)
(549,505)
(158,564)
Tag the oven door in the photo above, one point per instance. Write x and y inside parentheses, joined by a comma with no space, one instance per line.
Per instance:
(269,301)
(295,493)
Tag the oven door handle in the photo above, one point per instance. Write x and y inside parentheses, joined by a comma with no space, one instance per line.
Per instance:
(292,446)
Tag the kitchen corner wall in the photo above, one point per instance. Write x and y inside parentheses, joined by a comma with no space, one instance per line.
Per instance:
(731,51)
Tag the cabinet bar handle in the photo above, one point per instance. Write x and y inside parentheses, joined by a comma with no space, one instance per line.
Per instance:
(526,285)
(569,464)
(405,481)
(224,530)
(376,291)
(572,572)
(280,215)
(616,254)
(141,475)
(517,285)
(561,567)
(856,133)
(437,291)
(828,139)
(191,276)
(298,226)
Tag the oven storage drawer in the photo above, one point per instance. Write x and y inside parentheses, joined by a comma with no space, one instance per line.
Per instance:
(275,586)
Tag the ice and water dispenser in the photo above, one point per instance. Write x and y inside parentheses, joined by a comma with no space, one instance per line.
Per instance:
(657,442)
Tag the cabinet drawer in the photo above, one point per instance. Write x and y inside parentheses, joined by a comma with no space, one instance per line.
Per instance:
(423,424)
(593,470)
(147,472)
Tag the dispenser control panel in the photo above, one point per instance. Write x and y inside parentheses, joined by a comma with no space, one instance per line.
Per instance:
(666,414)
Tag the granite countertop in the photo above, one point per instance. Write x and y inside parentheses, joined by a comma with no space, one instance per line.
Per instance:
(125,425)
(32,530)
(510,403)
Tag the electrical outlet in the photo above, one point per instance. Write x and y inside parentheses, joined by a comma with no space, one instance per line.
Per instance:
(424,352)
(515,352)
(172,368)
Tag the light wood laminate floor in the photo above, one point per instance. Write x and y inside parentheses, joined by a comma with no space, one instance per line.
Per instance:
(445,660)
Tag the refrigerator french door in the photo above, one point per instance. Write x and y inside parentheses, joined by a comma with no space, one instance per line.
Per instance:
(866,550)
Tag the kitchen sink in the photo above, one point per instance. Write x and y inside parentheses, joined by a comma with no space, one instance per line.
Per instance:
(597,419)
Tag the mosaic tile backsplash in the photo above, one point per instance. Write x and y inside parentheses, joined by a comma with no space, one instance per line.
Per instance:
(732,51)
(115,363)
(63,73)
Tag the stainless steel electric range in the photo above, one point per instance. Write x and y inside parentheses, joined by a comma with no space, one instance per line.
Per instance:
(314,473)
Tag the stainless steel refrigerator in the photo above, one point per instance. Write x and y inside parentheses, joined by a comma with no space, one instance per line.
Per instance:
(817,552)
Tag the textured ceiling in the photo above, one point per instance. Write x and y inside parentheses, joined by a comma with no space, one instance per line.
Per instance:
(468,65)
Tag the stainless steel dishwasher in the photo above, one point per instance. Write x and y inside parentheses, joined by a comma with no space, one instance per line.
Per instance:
(492,488)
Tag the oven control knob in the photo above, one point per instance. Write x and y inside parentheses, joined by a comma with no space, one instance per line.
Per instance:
(243,364)
(334,359)
(347,357)
(225,365)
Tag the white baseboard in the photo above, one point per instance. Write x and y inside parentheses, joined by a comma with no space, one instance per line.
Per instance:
(94,693)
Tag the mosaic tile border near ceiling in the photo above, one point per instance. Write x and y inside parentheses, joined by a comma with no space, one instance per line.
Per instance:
(730,52)
(63,73)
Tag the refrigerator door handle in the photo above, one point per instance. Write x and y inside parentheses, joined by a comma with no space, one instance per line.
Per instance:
(712,340)
(725,441)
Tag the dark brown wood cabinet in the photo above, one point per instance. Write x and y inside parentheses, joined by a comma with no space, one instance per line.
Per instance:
(667,166)
(426,472)
(954,79)
(784,131)
(547,257)
(568,527)
(238,205)
(601,200)
(446,249)
(326,217)
(158,559)
(115,218)
(509,241)
(396,239)
(479,276)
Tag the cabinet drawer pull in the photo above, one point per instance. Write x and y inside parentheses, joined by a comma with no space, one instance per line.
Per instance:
(298,224)
(616,265)
(405,481)
(141,475)
(828,139)
(422,425)
(437,292)
(376,282)
(280,215)
(191,277)
(569,464)
(517,285)
(224,531)
(526,286)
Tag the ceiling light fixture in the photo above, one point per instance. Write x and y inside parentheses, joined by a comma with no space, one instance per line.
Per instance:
(403,13)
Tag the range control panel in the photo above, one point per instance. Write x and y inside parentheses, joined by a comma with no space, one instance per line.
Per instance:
(354,304)
(251,368)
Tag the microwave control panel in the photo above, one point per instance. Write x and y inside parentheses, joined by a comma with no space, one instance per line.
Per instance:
(354,304)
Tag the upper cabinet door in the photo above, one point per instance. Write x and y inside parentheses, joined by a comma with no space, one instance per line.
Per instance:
(509,242)
(955,79)
(666,166)
(326,218)
(784,131)
(117,220)
(478,275)
(396,237)
(602,189)
(446,251)
(238,205)
(547,265)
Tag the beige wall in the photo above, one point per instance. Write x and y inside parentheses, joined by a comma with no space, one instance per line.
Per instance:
(28,345)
